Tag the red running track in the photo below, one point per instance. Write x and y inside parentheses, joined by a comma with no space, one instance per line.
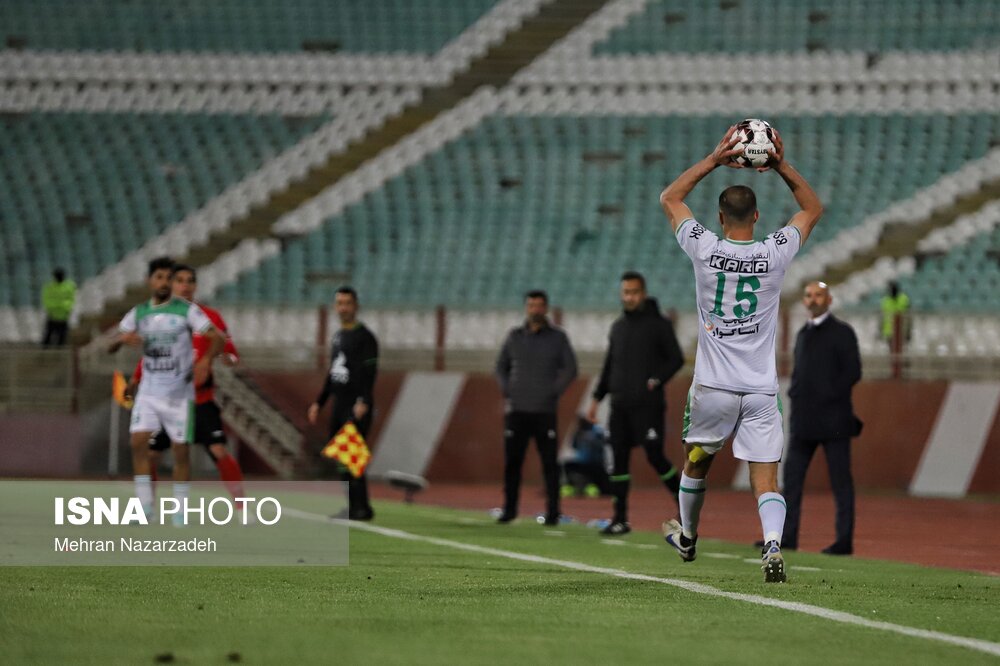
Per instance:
(958,534)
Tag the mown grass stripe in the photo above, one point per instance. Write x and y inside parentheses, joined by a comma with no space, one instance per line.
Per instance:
(977,644)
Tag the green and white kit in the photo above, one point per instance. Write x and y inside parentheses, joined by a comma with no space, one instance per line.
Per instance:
(735,386)
(165,398)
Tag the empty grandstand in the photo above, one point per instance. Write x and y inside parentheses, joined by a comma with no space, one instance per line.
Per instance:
(456,156)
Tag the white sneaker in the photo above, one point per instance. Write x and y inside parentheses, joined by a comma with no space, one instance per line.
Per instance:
(673,534)
(772,564)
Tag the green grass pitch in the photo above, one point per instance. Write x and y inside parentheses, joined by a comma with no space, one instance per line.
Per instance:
(411,602)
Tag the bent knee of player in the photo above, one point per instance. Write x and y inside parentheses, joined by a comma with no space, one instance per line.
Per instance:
(697,461)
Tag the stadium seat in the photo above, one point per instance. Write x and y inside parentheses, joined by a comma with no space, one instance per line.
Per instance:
(238,26)
(796,26)
(82,191)
(568,202)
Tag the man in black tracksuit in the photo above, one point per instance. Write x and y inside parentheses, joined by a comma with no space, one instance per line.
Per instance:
(643,354)
(536,365)
(827,366)
(350,380)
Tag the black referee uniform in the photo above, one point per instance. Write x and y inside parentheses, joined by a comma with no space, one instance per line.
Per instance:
(643,354)
(534,368)
(350,380)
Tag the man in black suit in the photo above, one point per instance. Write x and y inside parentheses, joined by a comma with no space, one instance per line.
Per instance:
(827,366)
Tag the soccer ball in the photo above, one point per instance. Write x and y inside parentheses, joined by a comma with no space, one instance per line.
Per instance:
(756,137)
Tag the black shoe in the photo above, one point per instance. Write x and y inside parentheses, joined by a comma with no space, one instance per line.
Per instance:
(617,528)
(366,514)
(551,519)
(837,549)
(506,518)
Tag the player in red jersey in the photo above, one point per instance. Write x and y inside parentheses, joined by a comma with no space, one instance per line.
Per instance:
(208,429)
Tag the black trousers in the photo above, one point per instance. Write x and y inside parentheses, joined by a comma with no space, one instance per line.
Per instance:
(519,429)
(357,488)
(838,458)
(638,425)
(55,333)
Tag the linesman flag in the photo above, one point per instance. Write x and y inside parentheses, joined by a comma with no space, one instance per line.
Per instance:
(349,449)
(118,385)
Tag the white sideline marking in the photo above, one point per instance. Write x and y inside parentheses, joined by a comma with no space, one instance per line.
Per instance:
(799,567)
(613,542)
(978,644)
(720,556)
(554,533)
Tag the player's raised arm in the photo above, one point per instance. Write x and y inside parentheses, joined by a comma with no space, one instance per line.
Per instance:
(804,194)
(672,198)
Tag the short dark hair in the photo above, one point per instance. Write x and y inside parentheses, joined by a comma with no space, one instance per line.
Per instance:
(738,203)
(346,289)
(185,267)
(159,264)
(59,274)
(537,293)
(628,276)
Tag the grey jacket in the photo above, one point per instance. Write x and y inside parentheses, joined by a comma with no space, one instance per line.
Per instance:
(534,369)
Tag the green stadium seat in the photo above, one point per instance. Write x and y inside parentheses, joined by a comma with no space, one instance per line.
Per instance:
(692,26)
(239,26)
(446,230)
(131,175)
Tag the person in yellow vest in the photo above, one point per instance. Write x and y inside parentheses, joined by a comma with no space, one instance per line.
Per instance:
(895,302)
(58,297)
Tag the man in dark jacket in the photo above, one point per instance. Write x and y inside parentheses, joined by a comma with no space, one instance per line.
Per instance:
(536,365)
(643,354)
(350,380)
(827,366)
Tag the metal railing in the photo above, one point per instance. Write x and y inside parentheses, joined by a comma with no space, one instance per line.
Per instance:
(258,424)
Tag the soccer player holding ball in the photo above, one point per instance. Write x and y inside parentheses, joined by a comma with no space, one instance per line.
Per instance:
(734,392)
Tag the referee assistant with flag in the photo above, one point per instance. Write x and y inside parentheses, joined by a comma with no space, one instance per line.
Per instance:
(350,380)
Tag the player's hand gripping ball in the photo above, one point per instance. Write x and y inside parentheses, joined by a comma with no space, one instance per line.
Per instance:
(755,140)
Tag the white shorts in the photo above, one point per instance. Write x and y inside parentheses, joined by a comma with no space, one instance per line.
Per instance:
(175,416)
(712,416)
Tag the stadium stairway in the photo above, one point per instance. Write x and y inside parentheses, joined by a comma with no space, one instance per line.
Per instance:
(902,239)
(495,68)
(260,425)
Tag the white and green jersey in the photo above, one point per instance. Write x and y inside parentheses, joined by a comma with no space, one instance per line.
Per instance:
(738,289)
(167,352)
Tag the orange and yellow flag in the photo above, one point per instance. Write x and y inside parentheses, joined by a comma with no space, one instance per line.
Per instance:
(118,385)
(349,449)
